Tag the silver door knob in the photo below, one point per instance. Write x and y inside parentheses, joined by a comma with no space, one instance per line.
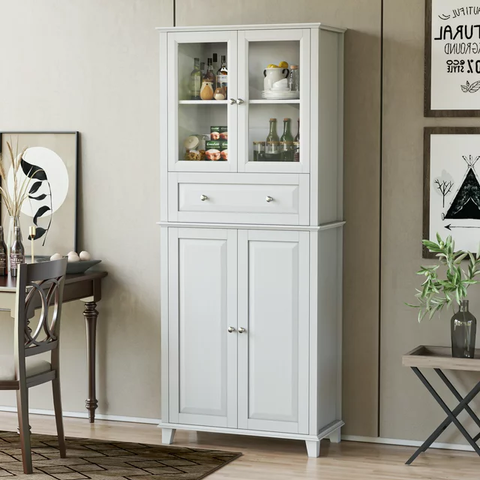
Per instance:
(231,329)
(241,330)
(240,101)
(233,101)
(269,199)
(203,198)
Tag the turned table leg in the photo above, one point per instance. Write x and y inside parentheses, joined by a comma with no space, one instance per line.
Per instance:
(90,313)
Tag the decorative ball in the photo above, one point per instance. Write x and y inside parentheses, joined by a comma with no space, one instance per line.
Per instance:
(71,252)
(73,257)
(85,255)
(56,256)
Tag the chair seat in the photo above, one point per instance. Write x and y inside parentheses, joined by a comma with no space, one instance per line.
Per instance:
(34,366)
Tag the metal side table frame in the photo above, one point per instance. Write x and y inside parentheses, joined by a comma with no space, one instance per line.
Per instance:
(438,359)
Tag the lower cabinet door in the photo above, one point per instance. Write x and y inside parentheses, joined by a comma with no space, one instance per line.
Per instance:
(202,307)
(273,349)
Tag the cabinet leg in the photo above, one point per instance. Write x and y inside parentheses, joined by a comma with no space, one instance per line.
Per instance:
(313,448)
(336,436)
(168,435)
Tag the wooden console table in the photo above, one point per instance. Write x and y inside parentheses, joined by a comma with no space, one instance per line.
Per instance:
(85,287)
(440,358)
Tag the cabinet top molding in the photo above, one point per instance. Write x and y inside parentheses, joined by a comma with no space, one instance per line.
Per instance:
(282,26)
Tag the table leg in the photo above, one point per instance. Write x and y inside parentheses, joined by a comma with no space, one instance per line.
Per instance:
(451,416)
(90,313)
(457,395)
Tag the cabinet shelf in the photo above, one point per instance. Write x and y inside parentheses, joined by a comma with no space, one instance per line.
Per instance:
(274,102)
(203,102)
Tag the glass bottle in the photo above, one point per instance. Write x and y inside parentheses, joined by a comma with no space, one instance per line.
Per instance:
(272,143)
(222,75)
(464,331)
(215,62)
(202,69)
(286,142)
(195,80)
(3,255)
(17,253)
(208,82)
(294,79)
(296,144)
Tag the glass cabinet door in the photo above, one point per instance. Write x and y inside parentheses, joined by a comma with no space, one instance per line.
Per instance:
(201,114)
(274,100)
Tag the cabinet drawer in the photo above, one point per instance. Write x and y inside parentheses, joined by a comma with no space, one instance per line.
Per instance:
(239,198)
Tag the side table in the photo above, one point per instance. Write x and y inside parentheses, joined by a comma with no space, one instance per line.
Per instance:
(440,358)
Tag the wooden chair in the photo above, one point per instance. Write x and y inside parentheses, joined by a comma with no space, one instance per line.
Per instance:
(39,286)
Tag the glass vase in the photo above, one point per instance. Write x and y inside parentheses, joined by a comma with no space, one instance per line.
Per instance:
(464,332)
(10,236)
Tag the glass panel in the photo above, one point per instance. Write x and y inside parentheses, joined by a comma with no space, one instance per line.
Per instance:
(274,101)
(283,122)
(270,72)
(203,106)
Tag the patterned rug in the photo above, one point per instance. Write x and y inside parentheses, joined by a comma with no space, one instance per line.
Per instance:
(100,460)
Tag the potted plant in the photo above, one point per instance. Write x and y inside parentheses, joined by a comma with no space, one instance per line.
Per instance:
(443,291)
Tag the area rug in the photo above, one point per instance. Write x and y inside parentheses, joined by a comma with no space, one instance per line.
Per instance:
(101,460)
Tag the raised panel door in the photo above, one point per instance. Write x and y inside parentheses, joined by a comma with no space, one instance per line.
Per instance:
(202,307)
(273,306)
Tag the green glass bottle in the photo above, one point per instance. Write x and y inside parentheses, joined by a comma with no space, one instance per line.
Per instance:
(195,80)
(286,142)
(272,143)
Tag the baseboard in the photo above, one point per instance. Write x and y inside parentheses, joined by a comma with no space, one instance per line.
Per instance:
(406,443)
(156,421)
(99,416)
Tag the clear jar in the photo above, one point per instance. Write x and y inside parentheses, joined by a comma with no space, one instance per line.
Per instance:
(294,79)
(272,151)
(258,151)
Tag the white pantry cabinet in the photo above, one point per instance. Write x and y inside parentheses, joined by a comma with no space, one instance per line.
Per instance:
(251,262)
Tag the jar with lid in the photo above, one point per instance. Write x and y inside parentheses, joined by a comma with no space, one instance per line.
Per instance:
(294,79)
(258,151)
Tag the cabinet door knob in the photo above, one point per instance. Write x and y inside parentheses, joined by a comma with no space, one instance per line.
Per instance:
(269,199)
(233,101)
(240,101)
(203,198)
(241,330)
(231,329)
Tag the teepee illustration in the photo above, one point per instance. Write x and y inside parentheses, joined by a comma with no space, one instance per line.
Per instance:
(466,203)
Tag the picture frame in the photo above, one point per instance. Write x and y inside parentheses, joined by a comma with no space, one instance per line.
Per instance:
(451,189)
(56,154)
(452,60)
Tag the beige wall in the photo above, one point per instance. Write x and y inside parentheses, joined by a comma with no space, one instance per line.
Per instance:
(407,410)
(92,66)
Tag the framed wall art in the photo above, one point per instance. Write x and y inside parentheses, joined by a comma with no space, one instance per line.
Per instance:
(452,58)
(451,203)
(51,205)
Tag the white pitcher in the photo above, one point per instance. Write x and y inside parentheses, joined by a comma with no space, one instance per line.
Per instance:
(273,75)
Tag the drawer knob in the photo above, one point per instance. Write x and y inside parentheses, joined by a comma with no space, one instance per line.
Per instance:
(233,101)
(241,330)
(240,101)
(231,329)
(269,199)
(203,198)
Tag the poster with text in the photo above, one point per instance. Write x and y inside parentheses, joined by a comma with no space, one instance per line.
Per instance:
(452,58)
(452,186)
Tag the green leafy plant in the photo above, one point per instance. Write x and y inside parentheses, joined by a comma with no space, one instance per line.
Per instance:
(437,293)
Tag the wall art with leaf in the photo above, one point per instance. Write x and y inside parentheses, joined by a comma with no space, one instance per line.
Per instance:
(50,160)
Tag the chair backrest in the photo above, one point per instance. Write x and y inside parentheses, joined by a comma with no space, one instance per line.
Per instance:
(39,286)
